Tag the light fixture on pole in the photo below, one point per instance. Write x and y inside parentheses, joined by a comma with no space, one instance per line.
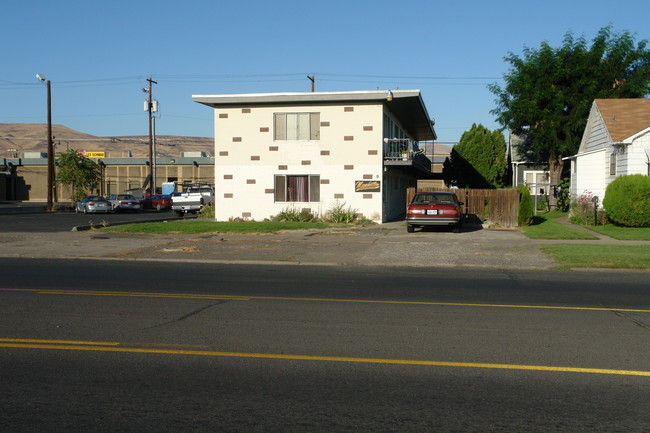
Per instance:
(50,143)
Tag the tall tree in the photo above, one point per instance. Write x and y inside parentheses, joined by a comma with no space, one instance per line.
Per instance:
(548,91)
(478,160)
(77,173)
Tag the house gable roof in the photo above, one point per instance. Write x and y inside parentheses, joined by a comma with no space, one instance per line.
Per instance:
(624,118)
(407,105)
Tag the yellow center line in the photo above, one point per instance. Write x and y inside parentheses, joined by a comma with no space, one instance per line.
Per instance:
(126,294)
(107,348)
(277,298)
(90,343)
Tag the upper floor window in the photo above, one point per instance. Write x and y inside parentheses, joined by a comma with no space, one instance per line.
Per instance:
(296,126)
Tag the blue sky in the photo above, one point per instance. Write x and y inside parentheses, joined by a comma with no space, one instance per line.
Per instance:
(98,54)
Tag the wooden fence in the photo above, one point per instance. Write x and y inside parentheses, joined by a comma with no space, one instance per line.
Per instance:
(499,206)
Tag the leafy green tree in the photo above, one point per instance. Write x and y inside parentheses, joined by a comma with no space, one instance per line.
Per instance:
(549,91)
(77,173)
(478,160)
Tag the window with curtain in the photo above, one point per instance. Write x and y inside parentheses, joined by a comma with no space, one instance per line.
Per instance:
(296,126)
(297,188)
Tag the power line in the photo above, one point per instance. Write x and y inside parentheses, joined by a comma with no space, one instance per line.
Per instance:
(248,78)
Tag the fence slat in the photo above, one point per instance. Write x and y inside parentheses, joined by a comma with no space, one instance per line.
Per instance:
(500,206)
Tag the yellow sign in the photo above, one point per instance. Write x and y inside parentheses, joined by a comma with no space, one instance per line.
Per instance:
(94,154)
(367,186)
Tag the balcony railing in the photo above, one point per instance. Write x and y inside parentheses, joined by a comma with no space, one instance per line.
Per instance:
(400,149)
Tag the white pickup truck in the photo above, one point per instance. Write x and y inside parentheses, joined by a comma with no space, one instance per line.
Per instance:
(192,199)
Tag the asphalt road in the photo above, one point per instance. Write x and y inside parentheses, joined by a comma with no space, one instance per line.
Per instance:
(44,222)
(122,346)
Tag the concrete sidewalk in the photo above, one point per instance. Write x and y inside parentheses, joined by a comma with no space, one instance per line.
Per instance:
(380,245)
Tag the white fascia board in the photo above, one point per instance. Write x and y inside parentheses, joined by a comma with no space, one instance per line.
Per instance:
(577,155)
(300,97)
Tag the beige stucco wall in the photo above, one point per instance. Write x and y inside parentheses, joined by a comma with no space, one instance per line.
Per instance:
(247,157)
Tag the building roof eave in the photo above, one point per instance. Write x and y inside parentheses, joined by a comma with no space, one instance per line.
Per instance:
(406,105)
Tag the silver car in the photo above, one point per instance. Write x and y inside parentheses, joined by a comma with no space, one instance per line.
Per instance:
(94,204)
(125,202)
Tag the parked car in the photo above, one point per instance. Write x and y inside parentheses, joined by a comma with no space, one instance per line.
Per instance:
(158,202)
(192,199)
(125,202)
(93,204)
(434,208)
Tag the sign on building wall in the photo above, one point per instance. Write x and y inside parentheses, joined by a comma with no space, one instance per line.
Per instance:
(93,154)
(367,186)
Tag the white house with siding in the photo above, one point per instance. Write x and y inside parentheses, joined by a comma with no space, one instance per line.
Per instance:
(311,151)
(616,142)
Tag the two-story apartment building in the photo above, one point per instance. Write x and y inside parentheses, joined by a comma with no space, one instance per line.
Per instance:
(278,151)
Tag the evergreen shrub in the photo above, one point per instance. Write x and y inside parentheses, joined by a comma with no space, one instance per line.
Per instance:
(525,206)
(627,201)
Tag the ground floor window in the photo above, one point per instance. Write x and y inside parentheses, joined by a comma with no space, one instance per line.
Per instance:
(297,188)
(612,164)
(537,181)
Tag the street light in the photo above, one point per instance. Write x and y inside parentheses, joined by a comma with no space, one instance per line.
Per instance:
(50,143)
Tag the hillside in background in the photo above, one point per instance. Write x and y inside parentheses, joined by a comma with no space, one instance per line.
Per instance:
(18,138)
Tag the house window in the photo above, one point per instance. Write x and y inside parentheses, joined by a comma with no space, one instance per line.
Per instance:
(612,164)
(297,188)
(537,180)
(296,126)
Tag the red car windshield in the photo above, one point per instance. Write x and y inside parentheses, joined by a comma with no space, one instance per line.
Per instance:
(434,199)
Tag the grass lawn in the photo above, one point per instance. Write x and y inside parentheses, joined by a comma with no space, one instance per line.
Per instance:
(600,256)
(202,226)
(623,233)
(544,226)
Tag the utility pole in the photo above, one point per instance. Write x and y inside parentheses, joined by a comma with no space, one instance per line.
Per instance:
(312,78)
(50,144)
(50,150)
(152,187)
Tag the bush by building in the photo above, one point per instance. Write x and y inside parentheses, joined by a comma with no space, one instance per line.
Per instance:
(525,217)
(627,201)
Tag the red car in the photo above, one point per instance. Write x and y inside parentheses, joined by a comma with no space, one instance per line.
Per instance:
(434,208)
(158,202)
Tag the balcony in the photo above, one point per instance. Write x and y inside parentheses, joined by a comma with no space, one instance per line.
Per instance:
(405,153)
